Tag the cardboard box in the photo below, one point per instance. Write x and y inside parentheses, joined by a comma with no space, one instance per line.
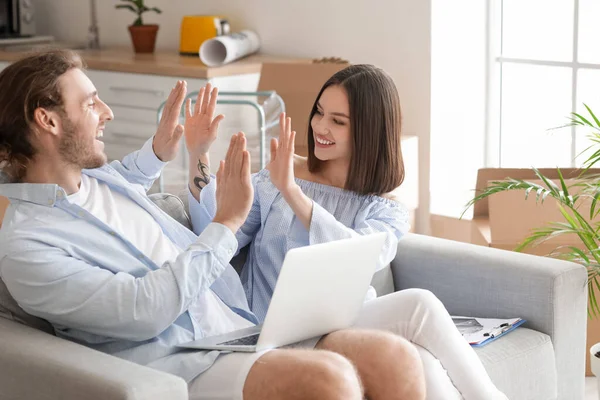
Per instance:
(505,219)
(298,83)
(3,205)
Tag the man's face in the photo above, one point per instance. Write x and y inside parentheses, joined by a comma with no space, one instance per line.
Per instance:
(82,121)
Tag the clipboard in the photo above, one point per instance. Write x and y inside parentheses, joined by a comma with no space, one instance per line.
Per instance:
(480,331)
(510,328)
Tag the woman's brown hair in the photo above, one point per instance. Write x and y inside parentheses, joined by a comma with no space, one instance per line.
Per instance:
(376,165)
(25,85)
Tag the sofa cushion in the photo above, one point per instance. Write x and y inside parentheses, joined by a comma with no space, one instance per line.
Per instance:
(522,364)
(174,206)
(383,281)
(9,309)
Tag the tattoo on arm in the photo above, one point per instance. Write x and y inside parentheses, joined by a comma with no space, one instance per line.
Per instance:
(203,178)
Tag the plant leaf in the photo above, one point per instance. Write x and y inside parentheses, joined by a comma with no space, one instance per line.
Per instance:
(126,6)
(551,185)
(583,121)
(592,114)
(596,309)
(595,198)
(580,253)
(568,198)
(510,184)
(540,235)
(546,193)
(584,230)
(593,308)
(591,160)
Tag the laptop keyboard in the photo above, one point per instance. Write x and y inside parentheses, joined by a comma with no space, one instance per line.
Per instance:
(245,341)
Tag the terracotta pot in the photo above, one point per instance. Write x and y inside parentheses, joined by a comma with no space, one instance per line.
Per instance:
(143,37)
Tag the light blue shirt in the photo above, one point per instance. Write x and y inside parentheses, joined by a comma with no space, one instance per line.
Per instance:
(272,228)
(63,264)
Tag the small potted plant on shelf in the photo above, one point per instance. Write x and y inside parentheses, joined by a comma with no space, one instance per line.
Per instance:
(143,36)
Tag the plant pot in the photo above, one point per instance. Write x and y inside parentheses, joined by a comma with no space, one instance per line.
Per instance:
(143,37)
(595,363)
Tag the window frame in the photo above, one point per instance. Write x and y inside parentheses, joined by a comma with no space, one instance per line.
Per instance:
(494,63)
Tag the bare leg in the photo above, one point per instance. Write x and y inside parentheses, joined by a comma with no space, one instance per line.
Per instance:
(302,374)
(389,366)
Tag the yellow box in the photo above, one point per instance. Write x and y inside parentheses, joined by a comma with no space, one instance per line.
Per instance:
(195,29)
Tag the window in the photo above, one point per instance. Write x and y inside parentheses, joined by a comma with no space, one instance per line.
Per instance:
(504,73)
(545,64)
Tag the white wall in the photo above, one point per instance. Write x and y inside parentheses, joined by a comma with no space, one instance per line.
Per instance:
(393,34)
(458,99)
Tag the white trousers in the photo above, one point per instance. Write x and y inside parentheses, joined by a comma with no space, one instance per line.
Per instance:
(452,369)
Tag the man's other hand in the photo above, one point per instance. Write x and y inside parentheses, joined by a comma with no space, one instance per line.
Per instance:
(201,125)
(234,186)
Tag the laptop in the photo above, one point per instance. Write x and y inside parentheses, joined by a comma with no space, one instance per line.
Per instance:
(321,289)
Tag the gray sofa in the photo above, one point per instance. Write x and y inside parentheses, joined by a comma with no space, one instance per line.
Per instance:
(542,360)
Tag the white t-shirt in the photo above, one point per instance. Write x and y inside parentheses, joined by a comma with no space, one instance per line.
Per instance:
(135,224)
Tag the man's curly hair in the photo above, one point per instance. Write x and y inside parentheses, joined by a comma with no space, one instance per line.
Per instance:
(26,85)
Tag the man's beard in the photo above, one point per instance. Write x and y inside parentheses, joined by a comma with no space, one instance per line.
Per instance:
(79,151)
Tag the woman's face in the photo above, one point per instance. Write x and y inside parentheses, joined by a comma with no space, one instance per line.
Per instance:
(331,125)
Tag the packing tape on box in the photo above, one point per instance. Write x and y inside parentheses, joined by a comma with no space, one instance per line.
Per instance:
(227,48)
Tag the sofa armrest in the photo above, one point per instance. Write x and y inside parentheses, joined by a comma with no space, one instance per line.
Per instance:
(35,365)
(480,281)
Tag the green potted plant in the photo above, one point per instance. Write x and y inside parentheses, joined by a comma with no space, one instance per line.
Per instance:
(143,36)
(578,202)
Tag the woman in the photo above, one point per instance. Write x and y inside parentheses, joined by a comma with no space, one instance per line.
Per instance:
(341,190)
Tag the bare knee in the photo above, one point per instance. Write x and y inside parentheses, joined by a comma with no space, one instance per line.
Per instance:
(335,378)
(302,374)
(399,359)
(389,365)
(404,347)
(402,353)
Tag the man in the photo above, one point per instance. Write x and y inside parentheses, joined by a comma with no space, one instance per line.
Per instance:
(83,247)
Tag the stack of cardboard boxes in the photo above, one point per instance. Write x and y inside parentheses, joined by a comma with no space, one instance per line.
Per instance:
(505,219)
